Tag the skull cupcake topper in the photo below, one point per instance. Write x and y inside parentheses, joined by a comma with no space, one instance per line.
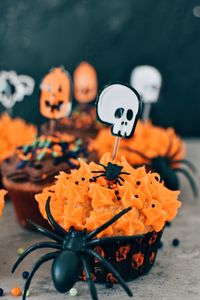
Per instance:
(119,106)
(55,100)
(147,80)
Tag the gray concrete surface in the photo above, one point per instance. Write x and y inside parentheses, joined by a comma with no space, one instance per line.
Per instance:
(175,275)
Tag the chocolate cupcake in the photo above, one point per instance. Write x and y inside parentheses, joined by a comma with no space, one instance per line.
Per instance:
(90,196)
(34,167)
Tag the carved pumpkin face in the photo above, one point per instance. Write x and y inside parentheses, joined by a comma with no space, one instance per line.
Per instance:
(85,83)
(55,99)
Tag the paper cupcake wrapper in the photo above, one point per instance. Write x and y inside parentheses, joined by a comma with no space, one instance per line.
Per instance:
(131,259)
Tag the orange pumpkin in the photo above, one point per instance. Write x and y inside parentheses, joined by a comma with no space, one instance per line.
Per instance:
(55,99)
(85,83)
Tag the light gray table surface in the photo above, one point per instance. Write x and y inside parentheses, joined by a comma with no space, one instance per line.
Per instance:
(175,275)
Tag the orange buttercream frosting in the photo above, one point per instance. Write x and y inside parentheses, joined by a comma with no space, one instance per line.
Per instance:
(2,195)
(150,140)
(79,200)
(13,133)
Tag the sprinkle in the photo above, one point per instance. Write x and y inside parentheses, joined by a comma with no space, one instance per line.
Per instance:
(175,242)
(83,179)
(55,154)
(76,182)
(73,292)
(20,251)
(116,192)
(25,274)
(138,182)
(91,180)
(41,155)
(16,292)
(118,198)
(28,293)
(1,292)
(153,205)
(160,245)
(136,196)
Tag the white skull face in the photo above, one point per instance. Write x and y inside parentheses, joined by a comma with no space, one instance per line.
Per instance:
(147,81)
(119,106)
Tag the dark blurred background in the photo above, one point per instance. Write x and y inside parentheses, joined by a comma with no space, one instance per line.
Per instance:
(114,36)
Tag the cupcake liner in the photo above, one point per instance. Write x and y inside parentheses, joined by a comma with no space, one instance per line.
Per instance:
(26,207)
(131,259)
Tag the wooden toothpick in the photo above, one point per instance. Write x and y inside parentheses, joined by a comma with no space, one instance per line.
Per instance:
(116,147)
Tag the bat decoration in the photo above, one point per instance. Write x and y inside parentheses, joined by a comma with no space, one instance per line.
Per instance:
(119,106)
(14,87)
(55,99)
(147,81)
(73,252)
(85,83)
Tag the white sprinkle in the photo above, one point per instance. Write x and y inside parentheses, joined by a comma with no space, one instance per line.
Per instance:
(20,251)
(73,292)
(28,293)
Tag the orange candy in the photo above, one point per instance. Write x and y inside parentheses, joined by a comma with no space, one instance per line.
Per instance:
(16,292)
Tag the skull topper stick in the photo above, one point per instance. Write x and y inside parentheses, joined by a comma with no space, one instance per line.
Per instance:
(119,105)
(13,88)
(55,99)
(147,81)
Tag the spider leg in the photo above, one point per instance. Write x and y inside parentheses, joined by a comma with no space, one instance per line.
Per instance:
(102,165)
(46,232)
(108,223)
(53,222)
(125,173)
(102,175)
(41,260)
(190,180)
(121,178)
(187,163)
(117,180)
(90,282)
(110,268)
(120,238)
(33,248)
(98,171)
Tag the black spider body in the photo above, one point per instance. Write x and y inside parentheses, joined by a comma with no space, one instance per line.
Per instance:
(73,251)
(162,166)
(111,172)
(168,167)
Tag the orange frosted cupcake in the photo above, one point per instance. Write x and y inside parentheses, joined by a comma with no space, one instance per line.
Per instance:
(13,133)
(2,195)
(88,197)
(159,149)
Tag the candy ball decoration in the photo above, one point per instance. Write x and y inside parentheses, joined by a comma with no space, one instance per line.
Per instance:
(119,105)
(55,100)
(14,87)
(85,83)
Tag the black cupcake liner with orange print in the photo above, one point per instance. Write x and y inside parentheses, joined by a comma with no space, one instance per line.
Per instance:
(131,259)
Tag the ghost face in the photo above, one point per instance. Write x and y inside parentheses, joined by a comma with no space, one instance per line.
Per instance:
(85,83)
(147,81)
(119,105)
(55,100)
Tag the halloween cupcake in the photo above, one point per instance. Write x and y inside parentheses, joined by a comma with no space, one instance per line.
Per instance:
(2,195)
(33,167)
(85,199)
(161,150)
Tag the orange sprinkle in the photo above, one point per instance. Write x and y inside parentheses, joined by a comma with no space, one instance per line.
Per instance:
(16,292)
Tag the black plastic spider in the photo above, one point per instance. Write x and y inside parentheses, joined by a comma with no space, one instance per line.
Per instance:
(166,166)
(74,248)
(111,172)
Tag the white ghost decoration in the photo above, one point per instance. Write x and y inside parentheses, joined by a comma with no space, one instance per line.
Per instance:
(119,105)
(147,81)
(14,87)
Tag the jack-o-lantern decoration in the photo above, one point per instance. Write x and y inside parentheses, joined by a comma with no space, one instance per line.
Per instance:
(122,252)
(85,83)
(55,99)
(137,260)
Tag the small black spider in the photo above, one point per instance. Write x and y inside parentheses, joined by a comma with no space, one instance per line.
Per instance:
(166,167)
(111,172)
(74,248)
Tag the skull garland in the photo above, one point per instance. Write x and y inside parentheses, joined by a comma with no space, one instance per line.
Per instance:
(119,105)
(55,100)
(147,81)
